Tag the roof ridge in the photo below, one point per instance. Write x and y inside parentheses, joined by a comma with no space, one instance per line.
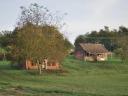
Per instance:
(93,48)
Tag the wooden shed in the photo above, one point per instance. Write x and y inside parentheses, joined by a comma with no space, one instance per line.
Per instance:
(52,65)
(91,52)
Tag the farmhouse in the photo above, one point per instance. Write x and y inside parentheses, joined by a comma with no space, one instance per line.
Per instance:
(91,52)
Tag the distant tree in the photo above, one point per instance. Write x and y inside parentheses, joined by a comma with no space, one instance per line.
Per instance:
(5,38)
(122,50)
(80,39)
(123,31)
(104,36)
(122,42)
(6,43)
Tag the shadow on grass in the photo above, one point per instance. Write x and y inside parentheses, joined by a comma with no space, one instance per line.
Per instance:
(60,72)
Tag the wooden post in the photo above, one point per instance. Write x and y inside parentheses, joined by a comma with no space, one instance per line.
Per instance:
(39,67)
(26,67)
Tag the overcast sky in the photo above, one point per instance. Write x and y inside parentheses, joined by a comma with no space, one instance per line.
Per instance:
(83,15)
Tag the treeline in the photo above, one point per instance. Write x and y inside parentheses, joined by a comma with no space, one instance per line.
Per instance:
(115,40)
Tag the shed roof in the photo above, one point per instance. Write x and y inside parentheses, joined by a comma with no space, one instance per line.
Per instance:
(93,48)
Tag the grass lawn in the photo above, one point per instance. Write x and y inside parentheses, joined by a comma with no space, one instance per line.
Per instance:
(80,78)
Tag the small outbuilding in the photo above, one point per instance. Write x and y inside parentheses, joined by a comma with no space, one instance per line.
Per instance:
(91,52)
(52,65)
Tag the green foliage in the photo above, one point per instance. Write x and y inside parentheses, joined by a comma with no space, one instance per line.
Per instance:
(7,43)
(36,43)
(114,40)
(122,51)
(123,31)
(104,36)
(80,39)
(5,38)
(37,36)
(68,44)
(2,51)
(122,42)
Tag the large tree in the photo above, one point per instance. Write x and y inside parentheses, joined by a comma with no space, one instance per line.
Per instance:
(38,36)
(37,42)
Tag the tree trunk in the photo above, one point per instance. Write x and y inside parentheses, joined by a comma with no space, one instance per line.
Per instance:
(39,67)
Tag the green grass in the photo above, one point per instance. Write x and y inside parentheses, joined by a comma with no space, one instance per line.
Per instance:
(79,78)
